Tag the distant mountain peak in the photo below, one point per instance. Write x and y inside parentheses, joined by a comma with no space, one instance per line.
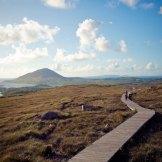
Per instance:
(45,72)
(41,76)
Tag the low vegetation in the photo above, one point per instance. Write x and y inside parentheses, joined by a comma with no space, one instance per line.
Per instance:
(146,145)
(24,137)
(150,146)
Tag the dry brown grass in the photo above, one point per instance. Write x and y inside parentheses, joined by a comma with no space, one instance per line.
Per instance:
(146,145)
(150,147)
(24,137)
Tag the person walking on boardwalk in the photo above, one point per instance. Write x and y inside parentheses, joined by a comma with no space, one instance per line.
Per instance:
(126,94)
(130,95)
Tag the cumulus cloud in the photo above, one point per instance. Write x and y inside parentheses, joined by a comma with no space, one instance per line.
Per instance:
(87,34)
(150,66)
(130,3)
(87,31)
(160,11)
(23,54)
(61,4)
(62,56)
(122,46)
(101,44)
(27,32)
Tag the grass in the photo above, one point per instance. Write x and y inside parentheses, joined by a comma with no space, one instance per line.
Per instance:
(146,145)
(25,138)
(150,148)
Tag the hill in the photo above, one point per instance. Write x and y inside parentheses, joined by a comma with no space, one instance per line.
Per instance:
(41,76)
(45,76)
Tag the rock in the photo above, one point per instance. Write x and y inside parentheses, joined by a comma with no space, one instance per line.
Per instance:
(50,116)
(47,152)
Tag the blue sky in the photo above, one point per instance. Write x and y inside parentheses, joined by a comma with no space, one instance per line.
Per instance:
(81,37)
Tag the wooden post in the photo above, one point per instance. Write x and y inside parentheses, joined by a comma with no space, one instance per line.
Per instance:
(82,107)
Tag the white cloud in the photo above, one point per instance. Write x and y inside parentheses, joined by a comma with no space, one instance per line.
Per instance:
(62,56)
(88,37)
(27,32)
(62,4)
(150,66)
(148,69)
(122,46)
(79,70)
(160,11)
(147,6)
(102,44)
(130,3)
(23,54)
(111,67)
(87,31)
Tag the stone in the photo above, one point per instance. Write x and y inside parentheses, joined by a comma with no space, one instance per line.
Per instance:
(50,116)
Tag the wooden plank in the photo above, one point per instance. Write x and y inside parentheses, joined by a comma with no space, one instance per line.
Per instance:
(105,148)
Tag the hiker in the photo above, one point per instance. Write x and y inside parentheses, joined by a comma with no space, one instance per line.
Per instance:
(130,96)
(126,95)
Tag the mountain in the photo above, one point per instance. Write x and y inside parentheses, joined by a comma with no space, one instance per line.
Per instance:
(39,76)
(44,76)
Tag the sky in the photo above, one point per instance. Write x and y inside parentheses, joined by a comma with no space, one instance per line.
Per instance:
(81,37)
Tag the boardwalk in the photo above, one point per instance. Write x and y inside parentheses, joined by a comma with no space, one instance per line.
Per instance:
(105,148)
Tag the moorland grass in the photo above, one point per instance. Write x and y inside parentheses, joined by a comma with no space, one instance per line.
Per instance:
(25,138)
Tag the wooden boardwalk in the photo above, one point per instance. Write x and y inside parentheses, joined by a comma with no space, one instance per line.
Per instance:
(105,148)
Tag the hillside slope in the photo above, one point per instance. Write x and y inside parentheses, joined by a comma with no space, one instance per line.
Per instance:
(46,77)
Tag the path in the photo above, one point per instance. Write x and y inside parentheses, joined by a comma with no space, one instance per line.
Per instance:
(105,148)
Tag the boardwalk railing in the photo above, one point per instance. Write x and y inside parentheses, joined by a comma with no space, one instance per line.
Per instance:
(105,148)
